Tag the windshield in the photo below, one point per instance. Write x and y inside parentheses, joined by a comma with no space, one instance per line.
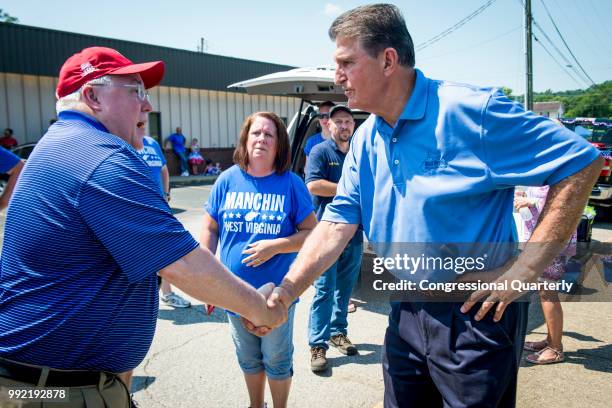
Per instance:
(594,131)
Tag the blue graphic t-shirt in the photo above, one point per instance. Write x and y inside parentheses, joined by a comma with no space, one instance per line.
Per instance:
(152,154)
(249,209)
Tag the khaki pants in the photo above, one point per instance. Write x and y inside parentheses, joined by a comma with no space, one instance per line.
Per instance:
(109,393)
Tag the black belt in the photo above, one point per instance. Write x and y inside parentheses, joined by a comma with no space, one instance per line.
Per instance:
(56,378)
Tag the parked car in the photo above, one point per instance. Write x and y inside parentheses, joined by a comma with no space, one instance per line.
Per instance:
(22,151)
(311,86)
(599,133)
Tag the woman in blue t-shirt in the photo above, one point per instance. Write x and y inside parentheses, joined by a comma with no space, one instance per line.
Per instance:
(261,213)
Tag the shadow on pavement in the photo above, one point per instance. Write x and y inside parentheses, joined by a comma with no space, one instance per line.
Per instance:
(335,359)
(595,359)
(140,382)
(192,315)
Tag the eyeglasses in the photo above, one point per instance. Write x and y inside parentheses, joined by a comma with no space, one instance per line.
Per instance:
(140,88)
(324,115)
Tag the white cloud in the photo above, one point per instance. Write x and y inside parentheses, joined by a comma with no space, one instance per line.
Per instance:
(332,10)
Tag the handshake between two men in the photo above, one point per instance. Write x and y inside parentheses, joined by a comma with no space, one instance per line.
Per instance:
(202,276)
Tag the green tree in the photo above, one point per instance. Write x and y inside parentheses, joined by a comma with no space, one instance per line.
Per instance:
(7,18)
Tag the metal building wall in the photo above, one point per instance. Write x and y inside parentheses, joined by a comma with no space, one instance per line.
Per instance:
(27,103)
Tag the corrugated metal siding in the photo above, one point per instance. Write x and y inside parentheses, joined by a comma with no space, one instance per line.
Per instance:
(27,103)
(39,51)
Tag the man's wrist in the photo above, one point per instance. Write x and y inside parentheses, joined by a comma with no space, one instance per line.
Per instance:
(285,294)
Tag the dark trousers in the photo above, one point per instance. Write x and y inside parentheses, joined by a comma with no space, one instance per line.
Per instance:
(436,356)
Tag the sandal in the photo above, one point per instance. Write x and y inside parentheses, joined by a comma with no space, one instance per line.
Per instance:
(535,358)
(535,345)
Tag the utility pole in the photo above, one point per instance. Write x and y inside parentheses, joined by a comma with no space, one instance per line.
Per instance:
(528,58)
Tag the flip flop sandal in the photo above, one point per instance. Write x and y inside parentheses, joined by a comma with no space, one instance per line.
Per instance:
(535,345)
(535,358)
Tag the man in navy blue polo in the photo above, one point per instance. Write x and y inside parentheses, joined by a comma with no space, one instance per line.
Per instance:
(78,302)
(328,312)
(437,162)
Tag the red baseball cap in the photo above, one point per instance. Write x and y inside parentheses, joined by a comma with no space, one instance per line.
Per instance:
(95,62)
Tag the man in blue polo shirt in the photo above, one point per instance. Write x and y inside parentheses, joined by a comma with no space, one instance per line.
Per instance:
(177,140)
(78,302)
(328,311)
(10,164)
(437,162)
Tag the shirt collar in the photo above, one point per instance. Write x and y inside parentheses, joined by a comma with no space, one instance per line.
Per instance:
(83,117)
(332,143)
(415,107)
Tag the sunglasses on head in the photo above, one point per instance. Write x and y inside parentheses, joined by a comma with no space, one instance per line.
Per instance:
(324,115)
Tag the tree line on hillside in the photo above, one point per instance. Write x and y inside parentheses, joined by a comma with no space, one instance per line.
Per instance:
(593,102)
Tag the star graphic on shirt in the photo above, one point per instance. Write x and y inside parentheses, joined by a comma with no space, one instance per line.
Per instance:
(224,215)
(264,217)
(231,215)
(278,217)
(238,215)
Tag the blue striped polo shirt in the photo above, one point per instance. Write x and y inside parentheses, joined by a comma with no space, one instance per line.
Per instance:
(85,235)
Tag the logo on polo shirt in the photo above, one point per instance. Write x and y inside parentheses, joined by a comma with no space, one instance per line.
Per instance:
(86,68)
(333,163)
(433,162)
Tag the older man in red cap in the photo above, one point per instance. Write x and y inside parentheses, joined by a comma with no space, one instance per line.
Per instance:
(79,291)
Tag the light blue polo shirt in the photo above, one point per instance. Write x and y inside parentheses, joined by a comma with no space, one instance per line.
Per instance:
(446,172)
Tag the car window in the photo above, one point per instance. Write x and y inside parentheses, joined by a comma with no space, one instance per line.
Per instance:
(24,151)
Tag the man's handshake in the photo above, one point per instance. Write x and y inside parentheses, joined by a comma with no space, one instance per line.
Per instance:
(275,305)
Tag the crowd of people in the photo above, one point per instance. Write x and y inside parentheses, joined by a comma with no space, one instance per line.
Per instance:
(435,162)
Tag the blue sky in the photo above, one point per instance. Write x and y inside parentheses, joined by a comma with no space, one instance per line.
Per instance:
(488,50)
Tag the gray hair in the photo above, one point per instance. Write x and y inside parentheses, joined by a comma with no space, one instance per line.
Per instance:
(376,26)
(74,100)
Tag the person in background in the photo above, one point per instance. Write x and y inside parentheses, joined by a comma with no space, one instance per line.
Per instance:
(10,164)
(549,350)
(328,322)
(177,140)
(259,212)
(152,154)
(212,170)
(323,135)
(195,158)
(7,140)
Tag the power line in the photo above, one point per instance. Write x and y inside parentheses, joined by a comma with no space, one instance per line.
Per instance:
(554,59)
(565,43)
(460,23)
(474,45)
(567,61)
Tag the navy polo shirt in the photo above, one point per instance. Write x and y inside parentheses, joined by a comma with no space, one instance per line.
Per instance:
(324,163)
(85,235)
(446,171)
